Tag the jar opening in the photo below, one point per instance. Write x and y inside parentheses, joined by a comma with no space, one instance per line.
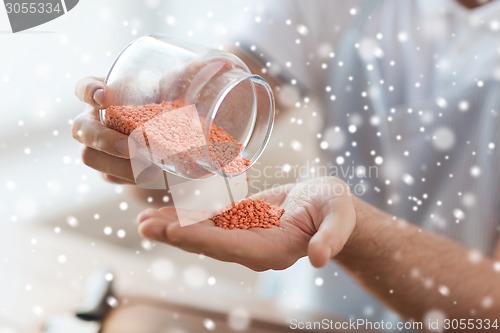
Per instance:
(244,109)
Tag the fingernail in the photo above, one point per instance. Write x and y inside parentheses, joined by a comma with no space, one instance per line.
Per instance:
(99,96)
(122,147)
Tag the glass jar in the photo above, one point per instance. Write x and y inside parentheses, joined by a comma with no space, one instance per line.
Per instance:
(191,110)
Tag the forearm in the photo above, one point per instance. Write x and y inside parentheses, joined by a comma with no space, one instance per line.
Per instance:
(414,271)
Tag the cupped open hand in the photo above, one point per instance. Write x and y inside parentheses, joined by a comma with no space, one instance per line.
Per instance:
(318,220)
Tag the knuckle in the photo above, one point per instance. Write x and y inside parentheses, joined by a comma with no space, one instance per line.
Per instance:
(78,88)
(87,156)
(89,88)
(336,186)
(99,140)
(83,88)
(76,128)
(106,140)
(88,91)
(86,88)
(173,236)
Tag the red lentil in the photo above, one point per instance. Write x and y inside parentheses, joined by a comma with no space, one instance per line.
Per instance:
(249,213)
(173,140)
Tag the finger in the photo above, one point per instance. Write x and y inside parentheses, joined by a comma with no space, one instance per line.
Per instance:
(155,228)
(155,225)
(92,133)
(151,213)
(91,91)
(333,233)
(116,180)
(248,247)
(108,164)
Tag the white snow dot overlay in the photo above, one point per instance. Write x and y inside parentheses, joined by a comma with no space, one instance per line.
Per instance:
(239,319)
(443,138)
(209,324)
(318,281)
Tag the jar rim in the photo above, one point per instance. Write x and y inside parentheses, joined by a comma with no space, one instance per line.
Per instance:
(254,79)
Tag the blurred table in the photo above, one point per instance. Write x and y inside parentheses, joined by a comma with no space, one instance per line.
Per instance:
(43,274)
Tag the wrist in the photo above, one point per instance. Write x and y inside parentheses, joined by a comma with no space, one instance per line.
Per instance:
(364,233)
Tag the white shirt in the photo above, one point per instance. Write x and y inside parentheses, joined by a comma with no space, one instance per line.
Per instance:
(416,85)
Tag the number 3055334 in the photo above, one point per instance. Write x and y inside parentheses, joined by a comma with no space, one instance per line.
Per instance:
(32,8)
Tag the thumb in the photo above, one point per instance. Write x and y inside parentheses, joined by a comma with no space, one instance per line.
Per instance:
(94,91)
(332,234)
